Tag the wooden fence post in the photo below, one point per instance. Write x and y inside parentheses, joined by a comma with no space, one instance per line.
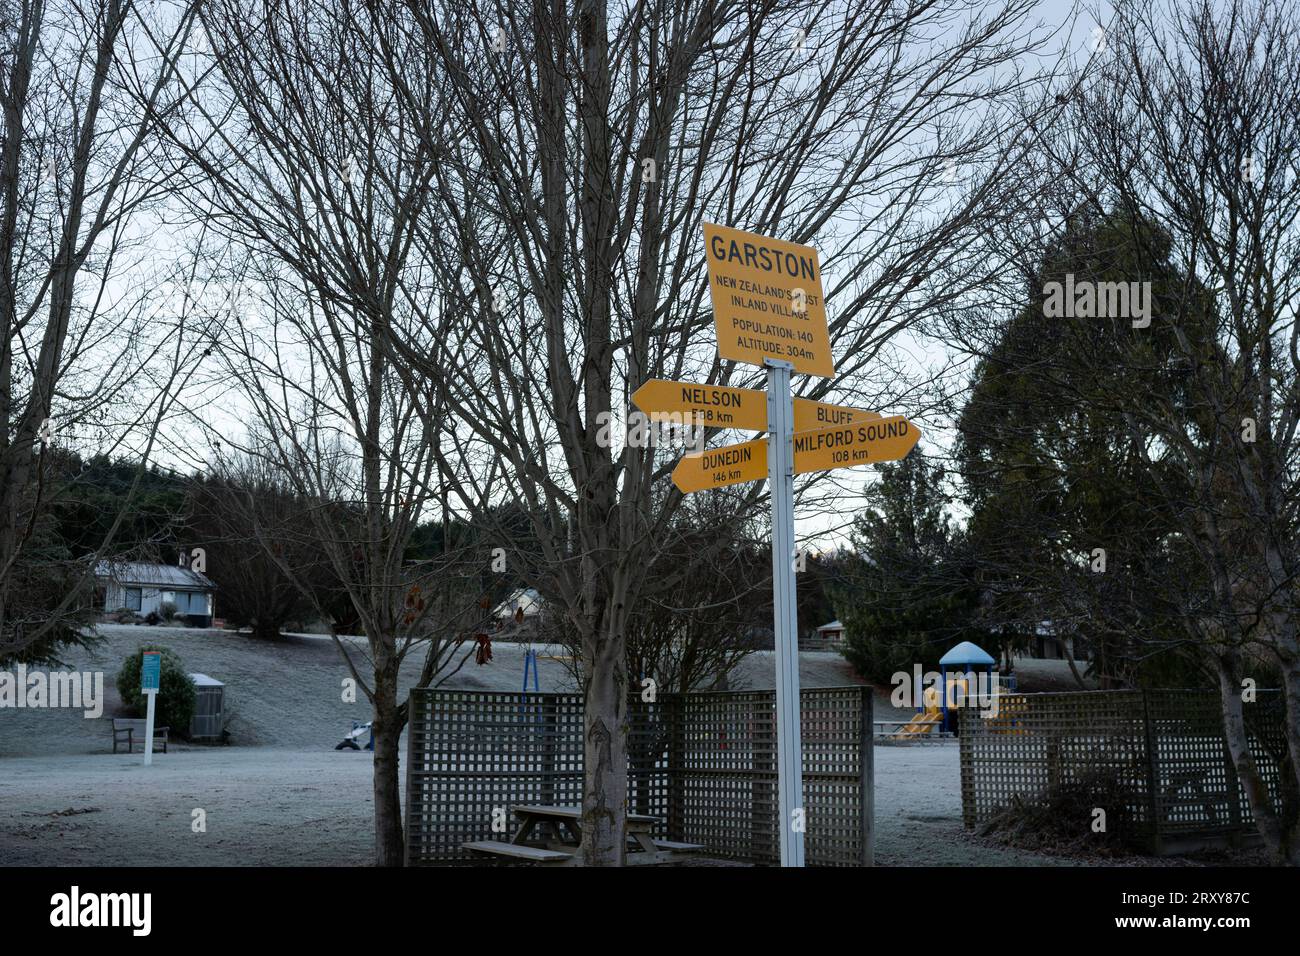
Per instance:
(676,779)
(867,795)
(1153,775)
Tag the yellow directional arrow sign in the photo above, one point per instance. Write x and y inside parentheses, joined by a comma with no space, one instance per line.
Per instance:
(810,415)
(722,406)
(712,405)
(719,467)
(858,444)
(867,442)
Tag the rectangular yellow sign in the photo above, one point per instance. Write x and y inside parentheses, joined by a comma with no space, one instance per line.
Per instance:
(887,439)
(722,406)
(767,300)
(719,467)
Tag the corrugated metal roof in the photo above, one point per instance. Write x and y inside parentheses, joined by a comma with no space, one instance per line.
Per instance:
(156,575)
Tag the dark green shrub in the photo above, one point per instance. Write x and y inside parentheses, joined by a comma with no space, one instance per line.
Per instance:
(176,694)
(1060,819)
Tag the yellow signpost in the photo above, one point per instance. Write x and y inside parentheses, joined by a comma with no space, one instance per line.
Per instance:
(723,406)
(810,415)
(767,300)
(712,405)
(768,310)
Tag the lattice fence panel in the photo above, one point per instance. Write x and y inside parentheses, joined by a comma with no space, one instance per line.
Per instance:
(1160,755)
(1039,744)
(470,752)
(704,764)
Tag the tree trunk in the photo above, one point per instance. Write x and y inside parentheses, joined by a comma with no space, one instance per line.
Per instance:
(389,846)
(1234,732)
(604,800)
(1291,723)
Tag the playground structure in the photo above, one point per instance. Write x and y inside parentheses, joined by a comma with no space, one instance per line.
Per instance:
(931,718)
(939,705)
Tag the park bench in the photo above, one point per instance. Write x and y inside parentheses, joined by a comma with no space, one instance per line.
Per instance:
(130,729)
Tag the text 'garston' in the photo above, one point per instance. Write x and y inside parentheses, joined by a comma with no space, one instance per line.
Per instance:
(761,257)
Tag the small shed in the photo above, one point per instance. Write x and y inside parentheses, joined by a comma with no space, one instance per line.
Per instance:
(965,658)
(209,708)
(825,638)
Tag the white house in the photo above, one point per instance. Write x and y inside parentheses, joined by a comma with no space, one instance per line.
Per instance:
(142,587)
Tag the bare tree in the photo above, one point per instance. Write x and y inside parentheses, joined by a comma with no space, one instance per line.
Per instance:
(1189,132)
(318,188)
(85,359)
(243,501)
(578,152)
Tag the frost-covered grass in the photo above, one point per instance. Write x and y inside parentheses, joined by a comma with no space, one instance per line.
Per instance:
(284,796)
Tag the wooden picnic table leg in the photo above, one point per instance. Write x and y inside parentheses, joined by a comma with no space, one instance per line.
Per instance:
(645,841)
(526,824)
(650,854)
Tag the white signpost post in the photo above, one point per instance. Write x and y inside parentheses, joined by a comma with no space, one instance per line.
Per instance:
(150,680)
(789,755)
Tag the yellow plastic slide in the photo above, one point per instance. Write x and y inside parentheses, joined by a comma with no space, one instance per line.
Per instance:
(930,718)
(926,721)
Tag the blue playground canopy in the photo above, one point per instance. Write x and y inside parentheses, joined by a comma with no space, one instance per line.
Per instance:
(964,654)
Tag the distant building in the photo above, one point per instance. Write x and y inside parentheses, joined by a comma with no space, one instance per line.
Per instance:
(524,599)
(826,638)
(1051,642)
(143,587)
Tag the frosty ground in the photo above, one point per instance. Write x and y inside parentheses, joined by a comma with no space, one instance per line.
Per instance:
(281,795)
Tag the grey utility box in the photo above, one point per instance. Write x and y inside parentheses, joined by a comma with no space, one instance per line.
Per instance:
(209,703)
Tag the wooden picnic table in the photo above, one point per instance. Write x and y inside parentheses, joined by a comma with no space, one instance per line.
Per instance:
(567,820)
(565,825)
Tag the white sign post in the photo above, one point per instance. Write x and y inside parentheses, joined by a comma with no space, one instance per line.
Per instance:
(150,680)
(780,463)
(152,695)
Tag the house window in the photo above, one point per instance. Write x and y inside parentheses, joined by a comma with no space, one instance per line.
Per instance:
(132,598)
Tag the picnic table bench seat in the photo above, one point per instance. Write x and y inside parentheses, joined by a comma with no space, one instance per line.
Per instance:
(518,851)
(129,730)
(676,847)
